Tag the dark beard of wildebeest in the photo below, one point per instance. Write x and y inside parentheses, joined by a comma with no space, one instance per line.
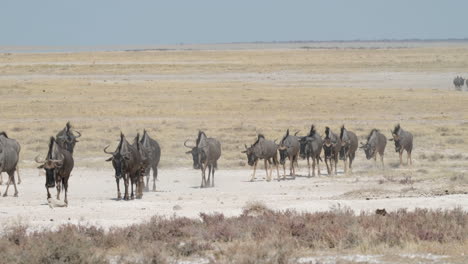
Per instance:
(58,166)
(376,143)
(403,141)
(9,156)
(154,154)
(205,154)
(311,147)
(127,164)
(66,139)
(289,147)
(262,149)
(349,145)
(331,149)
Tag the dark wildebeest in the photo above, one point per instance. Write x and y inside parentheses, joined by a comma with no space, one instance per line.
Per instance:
(458,82)
(311,147)
(262,149)
(205,154)
(154,154)
(331,149)
(58,166)
(289,147)
(349,145)
(9,156)
(376,143)
(403,141)
(127,162)
(66,139)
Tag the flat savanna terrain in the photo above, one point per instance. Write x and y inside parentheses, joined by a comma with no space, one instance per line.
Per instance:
(233,94)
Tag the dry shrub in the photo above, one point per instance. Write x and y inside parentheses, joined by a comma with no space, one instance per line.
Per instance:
(435,157)
(269,237)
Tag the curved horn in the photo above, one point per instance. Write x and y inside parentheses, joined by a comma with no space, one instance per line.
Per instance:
(185,144)
(79,134)
(36,159)
(297,132)
(107,152)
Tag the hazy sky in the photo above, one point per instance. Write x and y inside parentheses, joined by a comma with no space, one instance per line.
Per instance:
(145,22)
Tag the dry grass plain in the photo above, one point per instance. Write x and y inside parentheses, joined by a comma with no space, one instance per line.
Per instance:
(233,94)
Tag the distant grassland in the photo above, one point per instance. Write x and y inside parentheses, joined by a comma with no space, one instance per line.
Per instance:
(173,94)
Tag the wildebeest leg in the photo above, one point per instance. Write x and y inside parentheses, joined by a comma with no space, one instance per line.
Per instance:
(255,167)
(318,165)
(345,161)
(203,170)
(155,177)
(351,159)
(208,182)
(65,188)
(132,195)
(336,163)
(48,193)
(284,169)
(401,158)
(308,166)
(126,176)
(58,183)
(147,175)
(11,178)
(328,168)
(212,174)
(17,172)
(266,169)
(1,179)
(119,195)
(313,167)
(381,159)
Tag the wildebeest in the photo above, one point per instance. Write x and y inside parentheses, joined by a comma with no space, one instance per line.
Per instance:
(349,145)
(9,156)
(127,163)
(66,138)
(403,141)
(376,143)
(311,147)
(331,149)
(205,154)
(154,154)
(262,149)
(58,166)
(458,82)
(289,147)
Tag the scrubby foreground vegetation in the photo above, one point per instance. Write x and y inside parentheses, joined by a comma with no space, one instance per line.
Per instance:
(258,235)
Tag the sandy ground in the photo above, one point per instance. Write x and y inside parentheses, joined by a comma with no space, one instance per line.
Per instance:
(92,197)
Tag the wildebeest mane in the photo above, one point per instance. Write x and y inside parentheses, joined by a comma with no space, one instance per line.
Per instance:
(3,133)
(342,131)
(312,131)
(258,139)
(68,125)
(51,145)
(396,129)
(372,132)
(200,133)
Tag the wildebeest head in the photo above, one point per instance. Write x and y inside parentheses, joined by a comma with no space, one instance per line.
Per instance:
(283,151)
(368,150)
(119,159)
(195,155)
(345,141)
(67,139)
(396,137)
(250,152)
(50,165)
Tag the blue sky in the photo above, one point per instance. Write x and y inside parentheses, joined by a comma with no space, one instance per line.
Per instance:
(144,22)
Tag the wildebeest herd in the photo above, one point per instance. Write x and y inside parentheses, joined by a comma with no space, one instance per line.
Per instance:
(132,162)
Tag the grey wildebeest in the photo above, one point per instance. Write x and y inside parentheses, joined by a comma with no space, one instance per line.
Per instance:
(403,141)
(331,149)
(376,143)
(349,145)
(205,154)
(66,138)
(127,163)
(9,156)
(153,155)
(262,149)
(58,166)
(311,147)
(289,147)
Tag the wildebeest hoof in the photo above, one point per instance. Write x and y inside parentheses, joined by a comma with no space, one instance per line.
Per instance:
(4,195)
(16,195)
(19,182)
